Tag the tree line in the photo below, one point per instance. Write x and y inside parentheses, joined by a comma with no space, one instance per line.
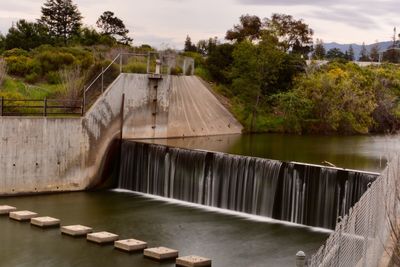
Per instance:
(61,24)
(320,53)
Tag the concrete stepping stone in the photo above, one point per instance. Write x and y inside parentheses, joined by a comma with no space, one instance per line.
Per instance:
(76,230)
(24,215)
(130,245)
(161,253)
(5,209)
(102,237)
(193,261)
(45,222)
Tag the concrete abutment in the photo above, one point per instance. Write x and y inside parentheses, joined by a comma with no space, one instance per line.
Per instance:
(39,155)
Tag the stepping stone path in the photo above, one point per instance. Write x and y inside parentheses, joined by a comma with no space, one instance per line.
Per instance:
(193,261)
(76,230)
(102,237)
(24,215)
(161,253)
(45,222)
(5,210)
(130,245)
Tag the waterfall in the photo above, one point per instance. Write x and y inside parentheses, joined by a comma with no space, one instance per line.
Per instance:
(305,194)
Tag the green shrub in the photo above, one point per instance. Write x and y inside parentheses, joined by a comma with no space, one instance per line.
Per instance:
(53,61)
(176,70)
(202,73)
(18,65)
(32,77)
(53,77)
(15,52)
(135,67)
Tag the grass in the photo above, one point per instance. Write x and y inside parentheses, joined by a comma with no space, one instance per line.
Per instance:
(15,88)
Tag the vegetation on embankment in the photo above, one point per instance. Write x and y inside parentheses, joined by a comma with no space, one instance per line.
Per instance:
(271,89)
(57,55)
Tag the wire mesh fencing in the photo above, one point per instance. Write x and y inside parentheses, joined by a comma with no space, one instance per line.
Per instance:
(362,236)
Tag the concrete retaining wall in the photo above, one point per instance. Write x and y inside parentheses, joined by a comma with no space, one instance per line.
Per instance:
(69,154)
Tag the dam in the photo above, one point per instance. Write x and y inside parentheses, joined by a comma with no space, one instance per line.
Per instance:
(272,201)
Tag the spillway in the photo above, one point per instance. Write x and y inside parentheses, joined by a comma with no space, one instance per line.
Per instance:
(299,193)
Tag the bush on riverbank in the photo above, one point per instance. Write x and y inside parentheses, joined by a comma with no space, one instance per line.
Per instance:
(339,98)
(343,98)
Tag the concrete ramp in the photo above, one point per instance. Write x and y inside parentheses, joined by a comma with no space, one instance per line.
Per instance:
(175,106)
(195,111)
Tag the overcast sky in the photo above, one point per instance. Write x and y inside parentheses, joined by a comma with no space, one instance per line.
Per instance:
(165,23)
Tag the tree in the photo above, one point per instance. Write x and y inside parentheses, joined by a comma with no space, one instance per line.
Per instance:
(111,25)
(189,46)
(219,63)
(2,43)
(335,54)
(374,52)
(89,37)
(259,71)
(26,35)
(204,47)
(293,35)
(62,18)
(364,53)
(350,53)
(319,50)
(248,29)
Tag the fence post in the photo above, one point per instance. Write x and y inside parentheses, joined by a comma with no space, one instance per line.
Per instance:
(120,63)
(102,80)
(148,62)
(82,109)
(45,106)
(300,259)
(84,100)
(2,104)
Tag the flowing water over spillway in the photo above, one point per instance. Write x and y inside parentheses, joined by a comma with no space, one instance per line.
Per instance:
(304,194)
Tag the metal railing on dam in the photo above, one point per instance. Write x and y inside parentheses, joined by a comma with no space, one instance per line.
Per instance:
(363,237)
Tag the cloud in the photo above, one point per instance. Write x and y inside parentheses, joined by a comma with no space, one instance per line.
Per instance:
(343,15)
(360,14)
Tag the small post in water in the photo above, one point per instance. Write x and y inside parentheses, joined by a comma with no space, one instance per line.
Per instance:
(300,259)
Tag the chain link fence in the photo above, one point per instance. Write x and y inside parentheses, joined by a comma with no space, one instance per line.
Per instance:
(361,237)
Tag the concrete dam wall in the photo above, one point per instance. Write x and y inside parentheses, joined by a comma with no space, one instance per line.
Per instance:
(70,154)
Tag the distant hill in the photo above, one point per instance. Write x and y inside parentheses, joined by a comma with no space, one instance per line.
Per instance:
(357,48)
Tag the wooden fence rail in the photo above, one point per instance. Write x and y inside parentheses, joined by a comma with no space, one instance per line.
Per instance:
(43,107)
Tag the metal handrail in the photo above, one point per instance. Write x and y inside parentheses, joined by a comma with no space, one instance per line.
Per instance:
(101,75)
